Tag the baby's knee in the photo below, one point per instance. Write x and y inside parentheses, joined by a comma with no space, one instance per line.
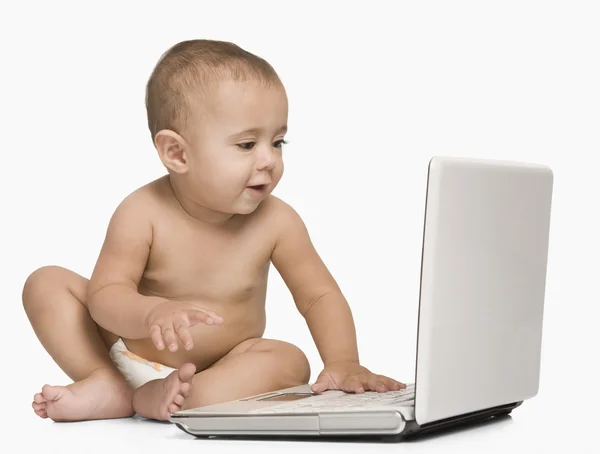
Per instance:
(41,283)
(291,363)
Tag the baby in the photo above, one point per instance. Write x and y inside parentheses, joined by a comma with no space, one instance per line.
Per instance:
(174,311)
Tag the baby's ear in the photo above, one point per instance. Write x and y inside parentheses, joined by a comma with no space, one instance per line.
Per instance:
(171,150)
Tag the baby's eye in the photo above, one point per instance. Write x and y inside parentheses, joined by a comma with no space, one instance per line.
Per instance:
(279,143)
(246,145)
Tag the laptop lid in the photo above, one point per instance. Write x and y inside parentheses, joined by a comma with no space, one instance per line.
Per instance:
(483,276)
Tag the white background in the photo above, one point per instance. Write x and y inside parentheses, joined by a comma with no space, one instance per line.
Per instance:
(375,90)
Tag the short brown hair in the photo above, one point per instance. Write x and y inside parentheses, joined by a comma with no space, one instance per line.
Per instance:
(192,68)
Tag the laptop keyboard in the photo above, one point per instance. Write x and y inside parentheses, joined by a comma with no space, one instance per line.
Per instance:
(346,402)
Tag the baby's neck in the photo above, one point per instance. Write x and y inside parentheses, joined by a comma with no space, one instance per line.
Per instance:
(197,211)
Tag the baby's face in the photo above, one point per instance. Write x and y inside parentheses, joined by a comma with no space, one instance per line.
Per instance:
(235,149)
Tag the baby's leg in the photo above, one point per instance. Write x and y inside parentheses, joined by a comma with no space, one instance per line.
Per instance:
(253,367)
(54,300)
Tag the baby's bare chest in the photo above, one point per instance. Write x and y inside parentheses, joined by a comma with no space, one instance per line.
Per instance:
(187,261)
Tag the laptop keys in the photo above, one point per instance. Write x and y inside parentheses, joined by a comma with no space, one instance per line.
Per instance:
(345,402)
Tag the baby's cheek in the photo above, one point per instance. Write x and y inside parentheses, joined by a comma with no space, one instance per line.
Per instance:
(278,171)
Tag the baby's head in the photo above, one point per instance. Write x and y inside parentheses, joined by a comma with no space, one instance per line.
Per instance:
(218,116)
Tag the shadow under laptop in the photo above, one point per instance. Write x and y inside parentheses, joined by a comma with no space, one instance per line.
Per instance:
(426,434)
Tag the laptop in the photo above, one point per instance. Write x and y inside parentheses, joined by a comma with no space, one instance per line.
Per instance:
(479,326)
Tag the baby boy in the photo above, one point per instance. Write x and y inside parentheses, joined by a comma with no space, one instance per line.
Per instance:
(173,314)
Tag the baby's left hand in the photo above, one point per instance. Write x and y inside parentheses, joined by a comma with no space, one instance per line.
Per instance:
(350,376)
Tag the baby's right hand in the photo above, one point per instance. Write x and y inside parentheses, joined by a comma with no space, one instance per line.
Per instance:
(171,319)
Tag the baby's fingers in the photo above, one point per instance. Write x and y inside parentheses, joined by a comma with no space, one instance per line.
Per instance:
(391,383)
(353,385)
(156,336)
(169,336)
(211,314)
(216,317)
(204,317)
(184,335)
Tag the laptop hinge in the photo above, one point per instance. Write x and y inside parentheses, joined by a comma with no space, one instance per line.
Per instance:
(413,428)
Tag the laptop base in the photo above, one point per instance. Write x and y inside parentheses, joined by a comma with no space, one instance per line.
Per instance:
(412,430)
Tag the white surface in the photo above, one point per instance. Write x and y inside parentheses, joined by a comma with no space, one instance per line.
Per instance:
(375,90)
(483,285)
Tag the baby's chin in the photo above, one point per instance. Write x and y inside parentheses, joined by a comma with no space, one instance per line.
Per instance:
(248,209)
(248,206)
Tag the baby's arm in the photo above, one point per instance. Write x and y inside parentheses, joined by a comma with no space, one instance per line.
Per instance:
(316,293)
(113,299)
(325,309)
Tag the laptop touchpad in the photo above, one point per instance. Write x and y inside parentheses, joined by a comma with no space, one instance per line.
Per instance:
(286,397)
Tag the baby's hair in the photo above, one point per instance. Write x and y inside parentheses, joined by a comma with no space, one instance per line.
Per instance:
(189,71)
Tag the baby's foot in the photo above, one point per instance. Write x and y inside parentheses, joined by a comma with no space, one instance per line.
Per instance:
(157,399)
(100,396)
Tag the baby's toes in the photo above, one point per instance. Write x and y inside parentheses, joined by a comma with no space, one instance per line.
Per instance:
(38,406)
(178,400)
(173,408)
(185,389)
(39,398)
(186,372)
(39,409)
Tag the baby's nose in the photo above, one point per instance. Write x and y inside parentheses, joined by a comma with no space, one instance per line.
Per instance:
(267,159)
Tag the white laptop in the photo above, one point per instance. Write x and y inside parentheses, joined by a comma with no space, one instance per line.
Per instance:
(479,327)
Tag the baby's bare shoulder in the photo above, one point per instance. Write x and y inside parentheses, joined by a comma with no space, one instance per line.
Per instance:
(151,195)
(142,205)
(128,240)
(279,213)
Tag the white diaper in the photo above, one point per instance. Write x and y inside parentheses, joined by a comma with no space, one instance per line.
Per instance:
(134,368)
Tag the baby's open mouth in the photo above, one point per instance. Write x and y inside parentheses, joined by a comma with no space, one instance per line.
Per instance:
(258,187)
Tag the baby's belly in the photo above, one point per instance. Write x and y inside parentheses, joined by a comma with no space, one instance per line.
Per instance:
(241,321)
